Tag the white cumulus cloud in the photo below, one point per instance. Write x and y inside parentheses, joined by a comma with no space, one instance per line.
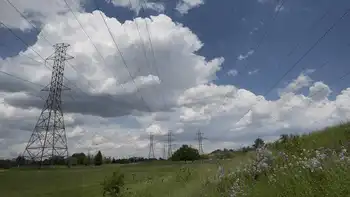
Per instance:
(184,6)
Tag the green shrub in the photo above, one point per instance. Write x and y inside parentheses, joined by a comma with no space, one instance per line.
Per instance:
(113,186)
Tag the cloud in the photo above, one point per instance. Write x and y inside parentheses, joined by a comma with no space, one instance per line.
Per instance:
(254,30)
(184,6)
(36,11)
(109,89)
(253,72)
(137,5)
(245,56)
(214,109)
(111,115)
(300,82)
(278,4)
(279,8)
(232,72)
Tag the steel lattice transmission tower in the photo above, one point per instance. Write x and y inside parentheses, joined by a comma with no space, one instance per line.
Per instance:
(164,151)
(151,147)
(48,140)
(170,143)
(200,142)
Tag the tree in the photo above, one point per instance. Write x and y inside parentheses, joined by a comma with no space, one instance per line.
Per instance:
(81,158)
(89,159)
(98,160)
(258,143)
(284,138)
(72,161)
(107,160)
(185,153)
(20,160)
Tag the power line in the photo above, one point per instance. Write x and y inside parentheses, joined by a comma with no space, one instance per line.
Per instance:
(48,140)
(123,59)
(25,18)
(308,29)
(319,91)
(152,49)
(297,46)
(27,45)
(267,30)
(21,79)
(300,59)
(99,53)
(27,56)
(40,34)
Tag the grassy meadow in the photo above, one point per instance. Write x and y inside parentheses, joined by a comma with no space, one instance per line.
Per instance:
(144,179)
(316,164)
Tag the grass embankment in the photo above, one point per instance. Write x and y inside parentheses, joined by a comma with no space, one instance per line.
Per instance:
(316,164)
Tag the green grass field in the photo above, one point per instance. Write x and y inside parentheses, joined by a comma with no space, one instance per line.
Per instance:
(148,179)
(317,165)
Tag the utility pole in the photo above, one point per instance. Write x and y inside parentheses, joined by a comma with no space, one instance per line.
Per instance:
(48,140)
(151,147)
(200,141)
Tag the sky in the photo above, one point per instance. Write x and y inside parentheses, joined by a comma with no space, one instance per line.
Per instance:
(234,69)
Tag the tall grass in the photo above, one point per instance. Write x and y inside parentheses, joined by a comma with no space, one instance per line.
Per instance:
(317,164)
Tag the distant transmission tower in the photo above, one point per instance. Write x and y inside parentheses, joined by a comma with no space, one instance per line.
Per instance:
(151,147)
(200,142)
(48,140)
(170,143)
(164,151)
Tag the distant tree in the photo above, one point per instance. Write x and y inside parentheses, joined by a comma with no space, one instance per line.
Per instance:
(81,158)
(185,153)
(98,160)
(258,143)
(204,156)
(20,160)
(72,161)
(284,138)
(107,160)
(89,159)
(245,149)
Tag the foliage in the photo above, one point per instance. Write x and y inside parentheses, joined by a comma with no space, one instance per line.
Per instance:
(185,153)
(112,186)
(72,161)
(258,143)
(308,165)
(184,174)
(98,160)
(81,158)
(107,160)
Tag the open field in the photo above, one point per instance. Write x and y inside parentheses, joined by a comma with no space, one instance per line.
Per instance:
(310,165)
(149,179)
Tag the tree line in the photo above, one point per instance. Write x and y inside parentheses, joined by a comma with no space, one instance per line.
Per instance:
(184,153)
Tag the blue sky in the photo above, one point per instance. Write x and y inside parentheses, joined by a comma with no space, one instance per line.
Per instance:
(225,28)
(248,37)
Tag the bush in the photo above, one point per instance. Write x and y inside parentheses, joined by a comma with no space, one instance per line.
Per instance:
(113,186)
(185,153)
